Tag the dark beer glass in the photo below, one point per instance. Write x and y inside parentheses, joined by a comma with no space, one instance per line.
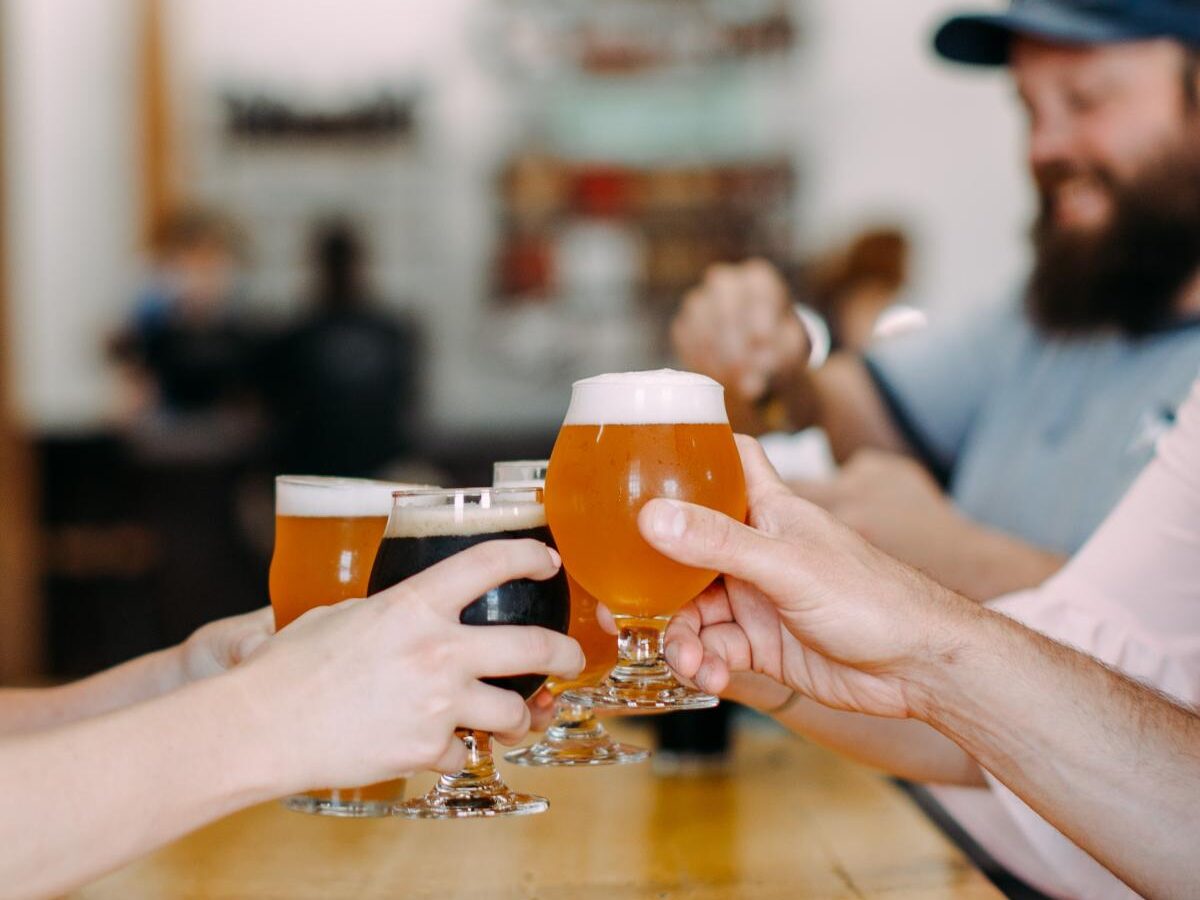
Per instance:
(426,527)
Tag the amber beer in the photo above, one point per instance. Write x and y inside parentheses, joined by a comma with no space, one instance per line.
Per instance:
(327,532)
(603,473)
(628,438)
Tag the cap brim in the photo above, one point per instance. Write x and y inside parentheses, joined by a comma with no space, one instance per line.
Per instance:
(983,39)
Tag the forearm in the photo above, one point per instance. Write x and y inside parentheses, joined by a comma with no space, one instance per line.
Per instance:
(87,797)
(841,398)
(148,676)
(983,563)
(1112,765)
(905,748)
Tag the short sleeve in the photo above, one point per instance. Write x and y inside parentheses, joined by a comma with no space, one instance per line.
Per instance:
(934,381)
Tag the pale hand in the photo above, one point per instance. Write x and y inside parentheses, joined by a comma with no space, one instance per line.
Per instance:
(803,600)
(372,689)
(737,327)
(219,646)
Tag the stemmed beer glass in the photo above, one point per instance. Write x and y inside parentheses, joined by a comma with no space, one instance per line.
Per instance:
(575,737)
(628,438)
(428,526)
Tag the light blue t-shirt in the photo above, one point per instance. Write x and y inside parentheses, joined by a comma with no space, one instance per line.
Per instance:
(1035,435)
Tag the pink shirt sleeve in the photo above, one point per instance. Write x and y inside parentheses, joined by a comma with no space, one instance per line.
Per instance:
(1130,597)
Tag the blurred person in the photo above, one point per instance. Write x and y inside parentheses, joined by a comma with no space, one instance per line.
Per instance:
(185,349)
(1035,418)
(342,385)
(856,288)
(964,692)
(101,771)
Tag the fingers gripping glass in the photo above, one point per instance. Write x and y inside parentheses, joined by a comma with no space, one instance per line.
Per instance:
(426,527)
(628,438)
(575,737)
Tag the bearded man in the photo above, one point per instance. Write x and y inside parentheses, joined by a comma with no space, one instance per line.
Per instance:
(1034,414)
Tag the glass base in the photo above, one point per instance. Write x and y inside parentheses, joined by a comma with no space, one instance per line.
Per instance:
(475,792)
(655,697)
(576,738)
(451,804)
(341,809)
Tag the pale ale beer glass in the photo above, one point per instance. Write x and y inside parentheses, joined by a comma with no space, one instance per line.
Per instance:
(326,533)
(575,737)
(628,438)
(428,526)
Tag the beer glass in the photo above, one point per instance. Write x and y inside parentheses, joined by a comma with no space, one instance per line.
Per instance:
(628,438)
(575,737)
(426,527)
(326,533)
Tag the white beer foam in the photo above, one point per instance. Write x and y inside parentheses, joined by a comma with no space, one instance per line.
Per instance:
(311,496)
(661,397)
(466,519)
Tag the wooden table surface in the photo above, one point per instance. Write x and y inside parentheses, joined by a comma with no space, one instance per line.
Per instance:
(789,820)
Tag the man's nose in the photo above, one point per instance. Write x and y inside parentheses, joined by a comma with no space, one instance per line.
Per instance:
(1051,143)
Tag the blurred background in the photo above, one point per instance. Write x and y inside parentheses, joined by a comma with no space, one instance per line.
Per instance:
(378,237)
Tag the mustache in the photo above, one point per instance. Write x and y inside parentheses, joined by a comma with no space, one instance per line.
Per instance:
(1049,176)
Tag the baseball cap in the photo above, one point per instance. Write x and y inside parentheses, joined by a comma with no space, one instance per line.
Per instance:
(983,38)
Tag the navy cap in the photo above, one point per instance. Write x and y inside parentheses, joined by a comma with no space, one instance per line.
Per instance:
(983,38)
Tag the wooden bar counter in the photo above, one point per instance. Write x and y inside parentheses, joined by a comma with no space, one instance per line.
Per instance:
(789,820)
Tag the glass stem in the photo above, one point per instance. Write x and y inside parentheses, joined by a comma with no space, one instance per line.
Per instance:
(574,720)
(479,773)
(640,653)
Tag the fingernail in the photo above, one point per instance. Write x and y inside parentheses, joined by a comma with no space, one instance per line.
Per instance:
(669,520)
(555,559)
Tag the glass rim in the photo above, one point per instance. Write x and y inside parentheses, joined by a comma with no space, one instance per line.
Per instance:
(335,481)
(502,490)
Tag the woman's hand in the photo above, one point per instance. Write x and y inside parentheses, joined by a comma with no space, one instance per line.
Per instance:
(372,689)
(219,646)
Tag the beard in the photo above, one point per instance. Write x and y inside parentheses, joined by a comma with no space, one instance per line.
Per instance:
(1128,273)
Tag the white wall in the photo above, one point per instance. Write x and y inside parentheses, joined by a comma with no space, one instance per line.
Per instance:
(886,131)
(894,133)
(72,148)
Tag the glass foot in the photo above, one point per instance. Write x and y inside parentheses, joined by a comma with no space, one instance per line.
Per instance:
(343,809)
(475,792)
(452,804)
(657,696)
(576,738)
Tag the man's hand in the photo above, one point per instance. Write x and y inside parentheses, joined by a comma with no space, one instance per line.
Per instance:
(892,501)
(737,327)
(804,600)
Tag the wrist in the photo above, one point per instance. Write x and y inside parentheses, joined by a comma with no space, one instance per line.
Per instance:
(938,678)
(757,691)
(260,755)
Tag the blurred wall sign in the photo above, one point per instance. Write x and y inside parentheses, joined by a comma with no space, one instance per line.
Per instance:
(257,115)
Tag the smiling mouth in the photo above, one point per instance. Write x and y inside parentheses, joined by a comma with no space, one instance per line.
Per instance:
(1079,201)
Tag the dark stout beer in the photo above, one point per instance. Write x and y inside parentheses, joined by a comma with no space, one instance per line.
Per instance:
(417,537)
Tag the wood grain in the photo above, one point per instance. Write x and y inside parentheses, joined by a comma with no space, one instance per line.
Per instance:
(790,820)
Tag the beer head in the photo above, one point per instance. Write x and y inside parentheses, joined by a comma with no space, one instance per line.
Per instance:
(469,512)
(660,397)
(312,496)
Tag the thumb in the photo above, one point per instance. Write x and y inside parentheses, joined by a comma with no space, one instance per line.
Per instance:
(702,537)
